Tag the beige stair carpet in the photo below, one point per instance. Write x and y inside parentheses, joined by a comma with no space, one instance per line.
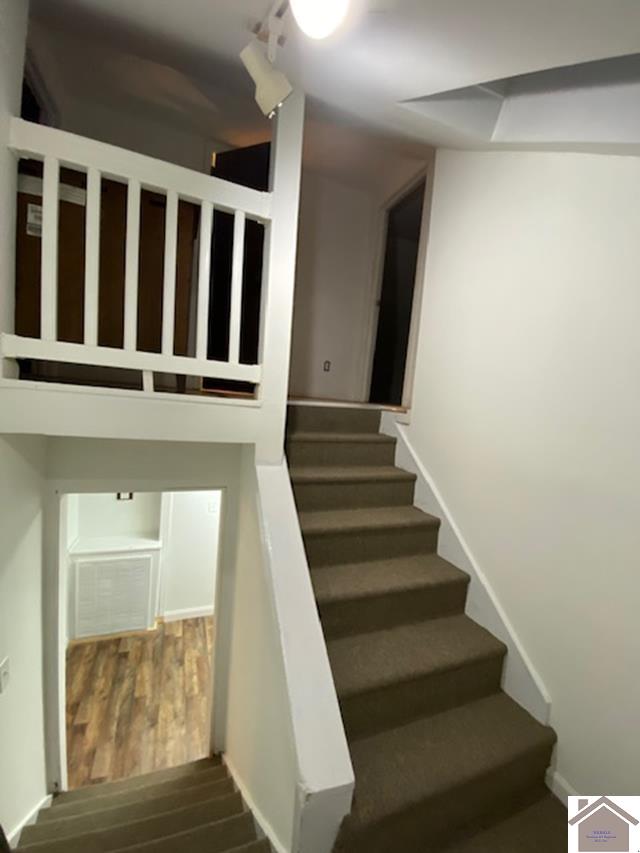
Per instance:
(443,759)
(192,809)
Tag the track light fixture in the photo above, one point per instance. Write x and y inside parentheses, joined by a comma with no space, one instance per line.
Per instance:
(272,87)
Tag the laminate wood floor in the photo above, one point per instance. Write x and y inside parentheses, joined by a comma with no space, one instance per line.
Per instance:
(139,702)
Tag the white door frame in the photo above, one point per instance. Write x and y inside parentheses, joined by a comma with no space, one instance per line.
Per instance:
(424,175)
(55,613)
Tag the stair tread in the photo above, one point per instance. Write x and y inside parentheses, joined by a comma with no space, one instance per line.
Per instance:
(340,437)
(399,768)
(133,782)
(346,581)
(351,520)
(104,801)
(261,846)
(542,825)
(201,838)
(120,834)
(348,474)
(220,798)
(369,661)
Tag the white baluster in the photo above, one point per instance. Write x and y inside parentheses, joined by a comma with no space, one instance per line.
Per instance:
(236,287)
(49,246)
(92,257)
(169,291)
(131,266)
(204,280)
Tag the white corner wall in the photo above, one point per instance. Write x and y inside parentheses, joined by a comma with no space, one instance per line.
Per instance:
(22,780)
(189,560)
(527,415)
(334,276)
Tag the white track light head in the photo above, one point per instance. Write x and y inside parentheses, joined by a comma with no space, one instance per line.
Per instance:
(272,87)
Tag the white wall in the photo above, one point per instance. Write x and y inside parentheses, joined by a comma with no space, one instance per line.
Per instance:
(333,288)
(189,559)
(256,729)
(13,30)
(103,515)
(22,780)
(527,415)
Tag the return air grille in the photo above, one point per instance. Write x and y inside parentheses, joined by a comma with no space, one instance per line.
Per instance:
(113,595)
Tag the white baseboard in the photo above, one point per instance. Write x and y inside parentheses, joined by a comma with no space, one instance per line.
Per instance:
(264,827)
(187,613)
(559,786)
(520,680)
(14,836)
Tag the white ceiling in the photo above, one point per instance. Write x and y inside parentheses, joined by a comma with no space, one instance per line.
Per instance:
(180,56)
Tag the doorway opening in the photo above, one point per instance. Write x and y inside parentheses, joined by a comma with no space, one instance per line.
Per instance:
(395,306)
(138,578)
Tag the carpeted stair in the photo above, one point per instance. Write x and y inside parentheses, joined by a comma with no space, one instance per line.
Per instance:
(443,759)
(192,809)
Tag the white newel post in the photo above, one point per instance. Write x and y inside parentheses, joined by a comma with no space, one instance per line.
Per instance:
(279,275)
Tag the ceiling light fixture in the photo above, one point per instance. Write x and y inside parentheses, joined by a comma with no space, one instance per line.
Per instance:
(272,87)
(319,18)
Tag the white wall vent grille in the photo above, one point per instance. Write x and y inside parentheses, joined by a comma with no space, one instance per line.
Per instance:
(113,595)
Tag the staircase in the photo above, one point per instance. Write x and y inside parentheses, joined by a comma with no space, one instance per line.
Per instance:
(443,759)
(192,809)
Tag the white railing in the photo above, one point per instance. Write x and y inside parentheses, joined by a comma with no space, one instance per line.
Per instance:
(58,149)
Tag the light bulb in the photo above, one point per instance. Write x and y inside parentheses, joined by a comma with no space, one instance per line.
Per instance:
(319,18)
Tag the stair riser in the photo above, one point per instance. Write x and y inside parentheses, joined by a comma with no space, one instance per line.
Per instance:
(328,549)
(225,803)
(361,615)
(123,836)
(424,828)
(340,453)
(125,798)
(182,772)
(316,496)
(376,710)
(327,419)
(211,839)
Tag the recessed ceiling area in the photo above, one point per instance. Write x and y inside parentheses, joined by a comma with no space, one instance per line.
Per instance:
(589,103)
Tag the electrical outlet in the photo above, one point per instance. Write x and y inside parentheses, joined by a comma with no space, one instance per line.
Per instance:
(5,674)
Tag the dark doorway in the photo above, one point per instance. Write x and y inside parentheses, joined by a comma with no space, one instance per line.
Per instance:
(396,298)
(249,167)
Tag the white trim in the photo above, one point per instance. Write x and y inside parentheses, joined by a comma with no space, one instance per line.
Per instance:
(325,773)
(559,786)
(521,681)
(166,512)
(345,404)
(14,836)
(32,385)
(418,289)
(15,346)
(187,613)
(262,824)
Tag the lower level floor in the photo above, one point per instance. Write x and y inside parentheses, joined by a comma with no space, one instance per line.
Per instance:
(138,702)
